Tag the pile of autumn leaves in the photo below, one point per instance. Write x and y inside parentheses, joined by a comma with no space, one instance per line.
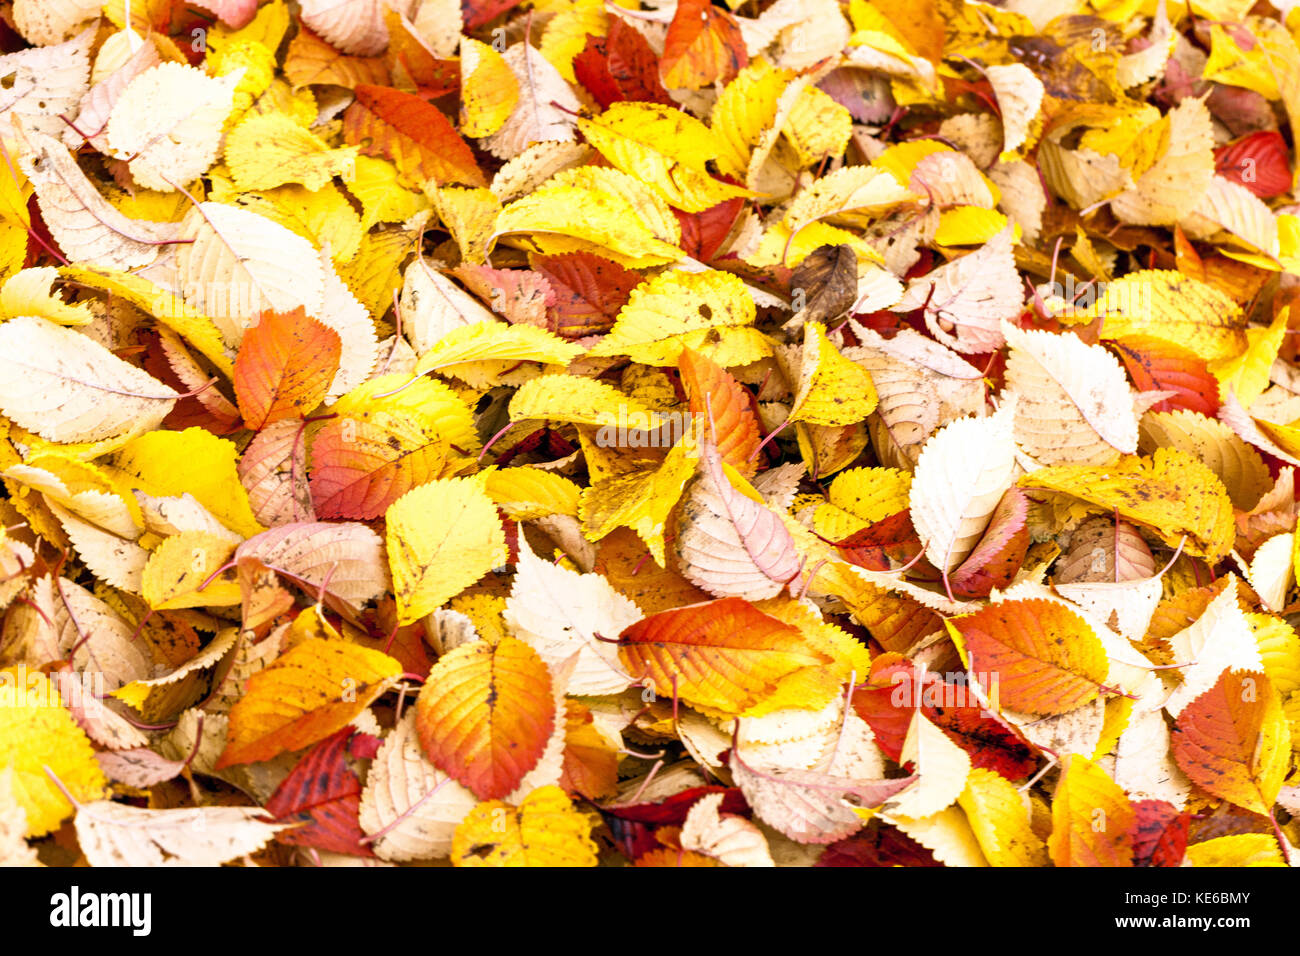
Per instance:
(569,433)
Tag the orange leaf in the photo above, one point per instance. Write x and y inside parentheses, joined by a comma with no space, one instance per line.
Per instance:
(725,655)
(1235,742)
(712,391)
(357,472)
(413,134)
(590,766)
(485,714)
(703,46)
(284,367)
(1045,657)
(1092,818)
(310,692)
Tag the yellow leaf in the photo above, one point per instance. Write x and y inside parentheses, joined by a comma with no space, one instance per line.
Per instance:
(1172,493)
(488,89)
(36,731)
(545,830)
(375,184)
(442,537)
(178,568)
(832,390)
(271,150)
(1091,818)
(29,292)
(651,328)
(496,341)
(641,500)
(1239,849)
(664,148)
(970,226)
(469,214)
(195,462)
(1247,374)
(581,401)
(525,493)
(999,817)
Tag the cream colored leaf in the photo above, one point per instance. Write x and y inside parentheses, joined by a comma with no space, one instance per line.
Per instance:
(965,300)
(432,305)
(1272,572)
(1175,183)
(409,807)
(731,840)
(14,849)
(44,84)
(45,22)
(947,835)
(559,613)
(729,544)
(116,561)
(1075,406)
(66,387)
(241,264)
(1020,96)
(86,226)
(341,311)
(346,553)
(167,124)
(354,26)
(920,384)
(941,768)
(961,474)
(114,834)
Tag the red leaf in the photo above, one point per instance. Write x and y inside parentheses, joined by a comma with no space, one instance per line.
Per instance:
(324,793)
(589,291)
(703,232)
(620,66)
(897,688)
(877,846)
(1157,365)
(1258,161)
(1159,833)
(874,546)
(703,46)
(1000,553)
(414,135)
(478,12)
(284,367)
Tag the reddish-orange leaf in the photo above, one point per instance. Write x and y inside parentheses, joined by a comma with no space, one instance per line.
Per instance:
(724,655)
(409,59)
(284,367)
(875,545)
(1157,365)
(589,291)
(359,468)
(704,46)
(323,793)
(1235,742)
(711,391)
(620,66)
(703,232)
(674,857)
(313,690)
(1041,656)
(485,714)
(416,136)
(1159,833)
